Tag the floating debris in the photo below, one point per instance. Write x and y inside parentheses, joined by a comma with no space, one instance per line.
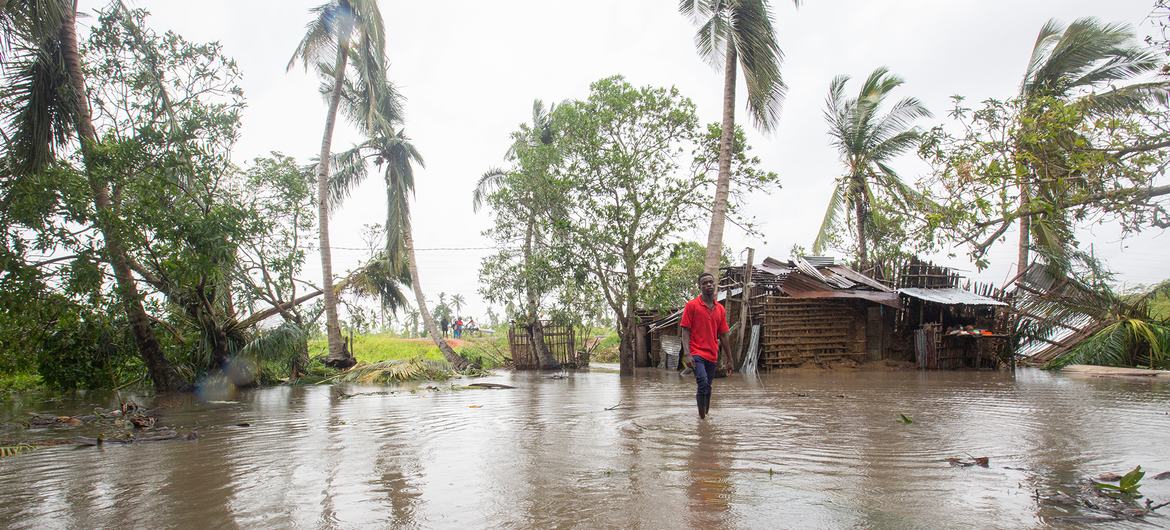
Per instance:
(905,419)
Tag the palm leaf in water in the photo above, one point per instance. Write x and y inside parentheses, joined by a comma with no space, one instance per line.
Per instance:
(13,450)
(415,369)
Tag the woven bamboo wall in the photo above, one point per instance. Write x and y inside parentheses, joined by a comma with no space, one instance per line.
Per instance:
(796,331)
(559,338)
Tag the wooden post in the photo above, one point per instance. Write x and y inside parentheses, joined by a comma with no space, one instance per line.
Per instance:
(745,308)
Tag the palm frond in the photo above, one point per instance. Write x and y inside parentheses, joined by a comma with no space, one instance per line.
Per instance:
(832,214)
(759,60)
(490,181)
(15,450)
(320,42)
(1126,98)
(349,170)
(282,343)
(414,369)
(38,97)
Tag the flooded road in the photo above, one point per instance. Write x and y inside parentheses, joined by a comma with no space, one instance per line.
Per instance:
(817,449)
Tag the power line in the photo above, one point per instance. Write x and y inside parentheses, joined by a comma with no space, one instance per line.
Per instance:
(371,249)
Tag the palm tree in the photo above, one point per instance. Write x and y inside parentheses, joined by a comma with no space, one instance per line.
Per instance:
(412,317)
(457,300)
(539,133)
(1085,64)
(49,108)
(731,33)
(341,29)
(867,142)
(392,151)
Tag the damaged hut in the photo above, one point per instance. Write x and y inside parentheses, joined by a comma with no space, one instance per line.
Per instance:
(944,326)
(808,310)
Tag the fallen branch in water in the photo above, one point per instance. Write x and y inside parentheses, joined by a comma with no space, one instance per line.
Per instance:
(620,403)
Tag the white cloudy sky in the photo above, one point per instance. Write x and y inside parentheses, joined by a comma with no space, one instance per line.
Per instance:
(470,70)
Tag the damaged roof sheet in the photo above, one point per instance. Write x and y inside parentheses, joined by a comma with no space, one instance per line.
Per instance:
(949,296)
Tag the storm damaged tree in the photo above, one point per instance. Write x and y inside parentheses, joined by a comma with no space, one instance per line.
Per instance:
(49,113)
(340,30)
(1085,141)
(637,170)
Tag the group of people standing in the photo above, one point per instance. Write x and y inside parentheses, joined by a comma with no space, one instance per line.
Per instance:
(458,327)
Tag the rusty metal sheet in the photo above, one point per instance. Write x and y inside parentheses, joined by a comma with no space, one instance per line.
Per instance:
(802,286)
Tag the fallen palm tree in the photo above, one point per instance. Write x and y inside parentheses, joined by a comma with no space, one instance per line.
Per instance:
(396,371)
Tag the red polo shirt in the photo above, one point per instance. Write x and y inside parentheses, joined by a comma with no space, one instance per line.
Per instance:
(705,325)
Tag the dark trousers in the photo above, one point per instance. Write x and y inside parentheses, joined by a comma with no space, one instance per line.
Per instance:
(704,372)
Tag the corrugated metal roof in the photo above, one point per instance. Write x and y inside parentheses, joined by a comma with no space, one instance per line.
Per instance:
(857,277)
(949,296)
(820,261)
(803,286)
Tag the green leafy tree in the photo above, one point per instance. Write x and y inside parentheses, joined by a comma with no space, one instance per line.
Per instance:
(524,200)
(48,106)
(646,149)
(870,191)
(1082,64)
(674,284)
(341,29)
(737,35)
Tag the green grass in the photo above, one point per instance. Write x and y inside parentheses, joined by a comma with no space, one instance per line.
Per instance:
(384,347)
(607,351)
(1160,307)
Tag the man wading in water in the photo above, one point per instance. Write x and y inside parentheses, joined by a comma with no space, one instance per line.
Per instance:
(704,331)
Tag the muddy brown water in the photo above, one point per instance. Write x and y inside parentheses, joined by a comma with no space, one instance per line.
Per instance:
(816,450)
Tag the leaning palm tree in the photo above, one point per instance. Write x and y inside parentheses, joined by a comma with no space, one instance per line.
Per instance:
(737,33)
(396,156)
(48,108)
(866,141)
(1097,68)
(340,29)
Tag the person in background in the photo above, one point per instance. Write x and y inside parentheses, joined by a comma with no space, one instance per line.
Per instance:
(443,323)
(704,332)
(458,327)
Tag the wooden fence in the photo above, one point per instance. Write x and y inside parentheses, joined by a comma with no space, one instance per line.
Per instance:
(560,339)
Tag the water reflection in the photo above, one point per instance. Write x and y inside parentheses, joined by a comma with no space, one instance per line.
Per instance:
(710,489)
(780,450)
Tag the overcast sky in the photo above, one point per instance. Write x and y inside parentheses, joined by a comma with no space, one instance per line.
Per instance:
(471,69)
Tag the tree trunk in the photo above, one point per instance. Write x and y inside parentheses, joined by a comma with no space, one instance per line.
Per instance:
(535,327)
(626,348)
(1025,226)
(161,374)
(339,356)
(630,331)
(428,319)
(723,183)
(859,213)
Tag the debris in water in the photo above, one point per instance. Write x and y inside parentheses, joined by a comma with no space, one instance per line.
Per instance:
(905,419)
(1108,477)
(488,385)
(1161,476)
(243,425)
(193,435)
(981,461)
(475,406)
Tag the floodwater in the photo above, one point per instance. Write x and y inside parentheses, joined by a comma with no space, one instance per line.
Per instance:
(805,450)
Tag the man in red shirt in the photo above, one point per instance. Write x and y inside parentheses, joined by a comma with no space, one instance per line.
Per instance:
(704,332)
